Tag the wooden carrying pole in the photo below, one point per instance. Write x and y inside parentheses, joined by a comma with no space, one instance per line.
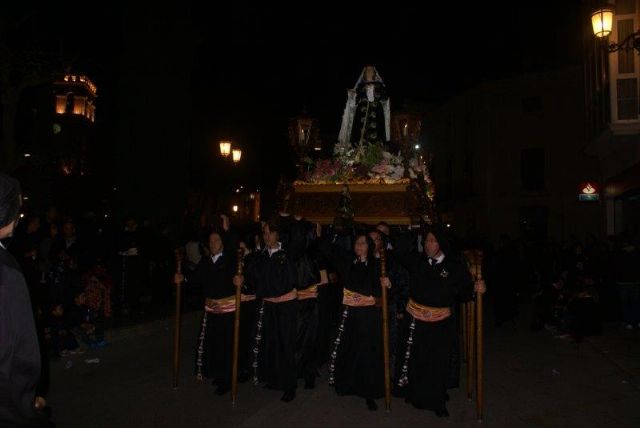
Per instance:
(471,306)
(479,343)
(176,333)
(469,330)
(385,334)
(236,333)
(463,325)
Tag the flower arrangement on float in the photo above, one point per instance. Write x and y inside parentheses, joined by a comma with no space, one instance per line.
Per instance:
(371,164)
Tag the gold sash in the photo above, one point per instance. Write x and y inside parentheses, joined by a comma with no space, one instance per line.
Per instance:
(308,293)
(427,313)
(351,298)
(226,304)
(291,295)
(220,306)
(247,297)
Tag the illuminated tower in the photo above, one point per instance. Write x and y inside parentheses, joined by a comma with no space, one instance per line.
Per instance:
(75,114)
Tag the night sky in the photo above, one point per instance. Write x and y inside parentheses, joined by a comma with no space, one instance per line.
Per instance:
(254,67)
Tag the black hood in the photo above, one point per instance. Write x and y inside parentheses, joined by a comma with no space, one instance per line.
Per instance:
(441,236)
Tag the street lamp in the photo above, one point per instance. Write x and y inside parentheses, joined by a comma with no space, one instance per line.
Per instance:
(237,155)
(602,21)
(225,148)
(602,24)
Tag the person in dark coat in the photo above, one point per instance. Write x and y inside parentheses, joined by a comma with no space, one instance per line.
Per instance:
(19,351)
(214,275)
(308,283)
(438,281)
(356,366)
(329,299)
(272,274)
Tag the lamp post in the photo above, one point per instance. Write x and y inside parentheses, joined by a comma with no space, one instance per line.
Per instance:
(234,155)
(225,148)
(237,155)
(602,25)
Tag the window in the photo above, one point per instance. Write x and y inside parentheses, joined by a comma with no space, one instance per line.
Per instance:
(626,58)
(627,91)
(61,104)
(532,169)
(623,67)
(79,105)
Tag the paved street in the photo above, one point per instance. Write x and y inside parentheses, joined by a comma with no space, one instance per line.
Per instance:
(532,380)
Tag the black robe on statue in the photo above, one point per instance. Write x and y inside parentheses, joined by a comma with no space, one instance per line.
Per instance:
(369,119)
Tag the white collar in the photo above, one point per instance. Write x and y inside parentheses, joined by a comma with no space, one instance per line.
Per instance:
(215,257)
(439,259)
(2,246)
(357,259)
(274,250)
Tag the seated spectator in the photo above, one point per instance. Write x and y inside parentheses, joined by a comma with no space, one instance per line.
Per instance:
(83,325)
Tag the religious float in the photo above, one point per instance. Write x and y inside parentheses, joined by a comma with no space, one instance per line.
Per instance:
(378,170)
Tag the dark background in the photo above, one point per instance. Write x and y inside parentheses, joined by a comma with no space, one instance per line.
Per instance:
(174,79)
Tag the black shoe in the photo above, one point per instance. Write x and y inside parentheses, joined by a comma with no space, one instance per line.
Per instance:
(309,383)
(371,405)
(222,389)
(442,413)
(288,395)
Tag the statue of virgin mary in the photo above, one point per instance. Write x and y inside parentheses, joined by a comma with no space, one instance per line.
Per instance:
(366,118)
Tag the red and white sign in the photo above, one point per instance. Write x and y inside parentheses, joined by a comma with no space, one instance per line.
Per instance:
(589,192)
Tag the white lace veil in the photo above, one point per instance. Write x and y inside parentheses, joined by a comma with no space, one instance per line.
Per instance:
(350,109)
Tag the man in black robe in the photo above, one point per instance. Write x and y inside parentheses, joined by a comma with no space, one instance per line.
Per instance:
(356,366)
(439,279)
(214,275)
(19,350)
(308,282)
(272,274)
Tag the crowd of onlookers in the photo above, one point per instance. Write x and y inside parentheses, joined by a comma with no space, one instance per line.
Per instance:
(82,272)
(574,287)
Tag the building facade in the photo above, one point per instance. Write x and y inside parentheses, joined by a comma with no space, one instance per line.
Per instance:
(509,158)
(612,112)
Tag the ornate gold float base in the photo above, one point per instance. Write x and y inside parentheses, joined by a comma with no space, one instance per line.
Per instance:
(372,203)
